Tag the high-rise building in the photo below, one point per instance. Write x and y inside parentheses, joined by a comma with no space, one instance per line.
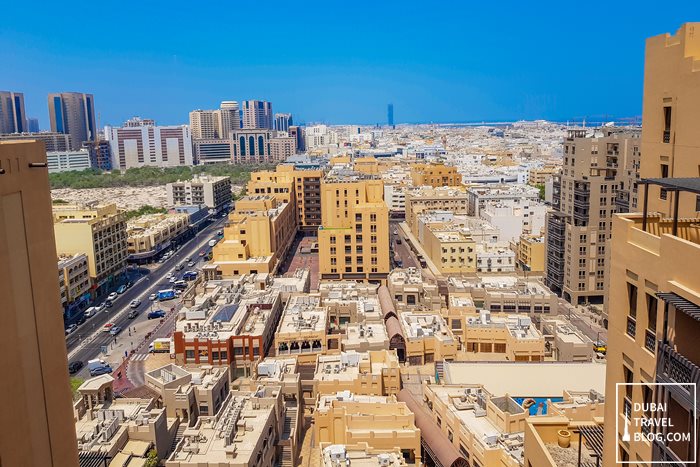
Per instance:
(390,115)
(257,115)
(13,119)
(141,143)
(32,125)
(215,124)
(229,117)
(354,233)
(73,113)
(100,154)
(654,291)
(298,133)
(283,122)
(37,426)
(594,168)
(99,231)
(282,147)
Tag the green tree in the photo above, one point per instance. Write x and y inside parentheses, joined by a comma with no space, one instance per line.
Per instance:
(541,188)
(152,459)
(146,209)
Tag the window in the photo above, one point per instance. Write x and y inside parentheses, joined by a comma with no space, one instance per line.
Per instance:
(348,238)
(373,239)
(663,194)
(333,240)
(189,354)
(664,170)
(373,218)
(632,299)
(358,217)
(667,125)
(651,312)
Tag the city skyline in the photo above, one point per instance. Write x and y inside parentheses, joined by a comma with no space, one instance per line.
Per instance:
(443,73)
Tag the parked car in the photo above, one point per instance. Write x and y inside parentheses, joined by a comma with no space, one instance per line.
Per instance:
(169,275)
(129,284)
(71,328)
(115,330)
(180,266)
(81,320)
(108,304)
(152,296)
(112,296)
(156,314)
(190,264)
(91,311)
(172,280)
(121,289)
(135,303)
(202,253)
(102,306)
(107,327)
(74,367)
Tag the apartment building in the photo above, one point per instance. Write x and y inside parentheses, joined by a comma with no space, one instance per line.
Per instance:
(344,455)
(481,195)
(257,237)
(567,342)
(282,148)
(298,133)
(506,294)
(540,175)
(74,280)
(435,175)
(514,338)
(530,251)
(654,284)
(140,143)
(38,427)
(395,199)
(428,338)
(354,235)
(13,118)
(373,373)
(494,257)
(380,421)
(578,232)
(53,141)
(350,302)
(73,113)
(515,219)
(100,154)
(215,124)
(257,114)
(99,231)
(303,330)
(150,234)
(213,192)
(429,199)
(64,161)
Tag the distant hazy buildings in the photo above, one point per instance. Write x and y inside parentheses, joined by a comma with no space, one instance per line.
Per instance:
(73,113)
(141,143)
(52,141)
(63,161)
(390,115)
(283,121)
(32,124)
(215,124)
(12,116)
(257,115)
(298,133)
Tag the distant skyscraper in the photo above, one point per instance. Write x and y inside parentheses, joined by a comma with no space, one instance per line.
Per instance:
(229,117)
(298,133)
(257,115)
(390,115)
(12,116)
(73,113)
(283,122)
(215,124)
(33,124)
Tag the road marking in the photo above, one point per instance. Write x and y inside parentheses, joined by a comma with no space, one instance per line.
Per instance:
(139,357)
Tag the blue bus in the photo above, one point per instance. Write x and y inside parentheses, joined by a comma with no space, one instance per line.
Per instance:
(167,294)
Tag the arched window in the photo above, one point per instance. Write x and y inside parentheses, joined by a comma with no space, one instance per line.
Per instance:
(251,145)
(242,144)
(261,147)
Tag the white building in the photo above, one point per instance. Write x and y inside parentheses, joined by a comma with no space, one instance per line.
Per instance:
(141,143)
(320,136)
(494,258)
(395,198)
(62,161)
(514,219)
(213,192)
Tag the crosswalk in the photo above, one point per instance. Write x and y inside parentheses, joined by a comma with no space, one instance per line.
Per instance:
(139,357)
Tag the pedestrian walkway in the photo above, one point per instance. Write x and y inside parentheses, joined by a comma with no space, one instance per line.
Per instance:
(139,357)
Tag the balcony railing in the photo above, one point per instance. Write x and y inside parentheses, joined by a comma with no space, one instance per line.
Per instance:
(667,137)
(627,408)
(631,327)
(676,368)
(650,340)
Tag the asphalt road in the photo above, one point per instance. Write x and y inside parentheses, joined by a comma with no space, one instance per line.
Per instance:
(407,258)
(142,288)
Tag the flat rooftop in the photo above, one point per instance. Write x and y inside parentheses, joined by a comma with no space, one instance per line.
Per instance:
(421,325)
(303,313)
(531,379)
(338,455)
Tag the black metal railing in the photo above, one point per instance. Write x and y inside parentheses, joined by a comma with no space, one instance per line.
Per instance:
(650,340)
(667,137)
(631,327)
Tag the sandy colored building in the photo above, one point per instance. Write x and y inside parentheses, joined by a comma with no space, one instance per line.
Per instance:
(530,252)
(74,279)
(282,147)
(354,235)
(366,165)
(654,287)
(514,338)
(303,330)
(148,235)
(567,343)
(38,427)
(374,373)
(350,302)
(258,235)
(359,455)
(411,291)
(212,192)
(99,231)
(300,187)
(540,175)
(428,338)
(426,198)
(380,421)
(435,175)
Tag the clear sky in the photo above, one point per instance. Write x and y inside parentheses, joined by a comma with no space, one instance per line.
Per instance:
(337,62)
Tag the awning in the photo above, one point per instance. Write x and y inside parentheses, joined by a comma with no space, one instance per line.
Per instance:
(681,304)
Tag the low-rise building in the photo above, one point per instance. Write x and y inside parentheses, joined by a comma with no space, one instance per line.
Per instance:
(494,257)
(380,421)
(540,175)
(74,281)
(370,373)
(303,329)
(150,234)
(425,198)
(530,252)
(63,161)
(481,195)
(52,140)
(350,302)
(213,192)
(513,338)
(566,342)
(435,175)
(360,455)
(428,338)
(410,291)
(365,337)
(506,294)
(513,219)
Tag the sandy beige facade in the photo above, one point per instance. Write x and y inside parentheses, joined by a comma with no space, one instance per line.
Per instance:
(435,175)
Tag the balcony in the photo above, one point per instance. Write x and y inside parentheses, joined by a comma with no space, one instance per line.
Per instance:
(673,367)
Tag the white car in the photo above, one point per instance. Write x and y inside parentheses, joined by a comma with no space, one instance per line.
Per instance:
(173,280)
(169,275)
(190,264)
(112,296)
(152,297)
(135,303)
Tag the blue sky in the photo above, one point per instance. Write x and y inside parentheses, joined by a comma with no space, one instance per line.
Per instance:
(337,62)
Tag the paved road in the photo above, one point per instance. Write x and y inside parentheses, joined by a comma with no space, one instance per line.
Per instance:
(408,259)
(77,343)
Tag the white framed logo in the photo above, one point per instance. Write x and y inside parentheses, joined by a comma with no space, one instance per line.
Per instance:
(659,419)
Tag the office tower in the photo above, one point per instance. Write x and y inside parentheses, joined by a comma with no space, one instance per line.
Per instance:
(100,154)
(141,143)
(99,231)
(251,146)
(37,426)
(212,151)
(298,133)
(354,233)
(204,124)
(32,125)
(52,141)
(390,115)
(595,163)
(654,291)
(257,115)
(12,116)
(73,113)
(229,118)
(283,122)
(63,161)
